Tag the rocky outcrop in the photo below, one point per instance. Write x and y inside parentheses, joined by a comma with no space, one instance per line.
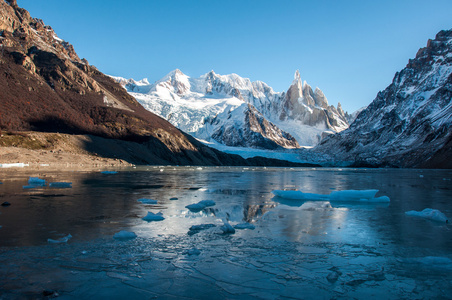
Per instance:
(310,107)
(409,123)
(246,127)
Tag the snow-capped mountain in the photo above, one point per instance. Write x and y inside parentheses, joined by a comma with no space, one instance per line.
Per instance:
(409,123)
(234,111)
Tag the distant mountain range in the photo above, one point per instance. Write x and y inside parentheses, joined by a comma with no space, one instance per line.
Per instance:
(46,87)
(409,123)
(234,111)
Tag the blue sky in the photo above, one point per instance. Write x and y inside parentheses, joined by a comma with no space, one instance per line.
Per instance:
(349,49)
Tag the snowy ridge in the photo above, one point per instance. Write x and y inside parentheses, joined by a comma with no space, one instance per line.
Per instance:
(235,111)
(409,123)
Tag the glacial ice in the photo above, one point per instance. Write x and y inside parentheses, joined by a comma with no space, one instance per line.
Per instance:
(61,185)
(124,235)
(197,228)
(147,201)
(109,172)
(60,240)
(364,196)
(244,226)
(227,228)
(196,207)
(35,182)
(429,213)
(153,217)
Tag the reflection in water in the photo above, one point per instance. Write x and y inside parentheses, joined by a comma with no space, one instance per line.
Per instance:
(295,246)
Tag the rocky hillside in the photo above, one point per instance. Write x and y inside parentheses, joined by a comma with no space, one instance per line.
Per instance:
(409,123)
(46,87)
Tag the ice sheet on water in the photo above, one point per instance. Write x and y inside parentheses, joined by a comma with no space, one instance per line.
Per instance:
(244,226)
(197,228)
(109,172)
(61,185)
(436,262)
(124,235)
(429,213)
(153,217)
(147,201)
(361,196)
(192,251)
(60,240)
(200,205)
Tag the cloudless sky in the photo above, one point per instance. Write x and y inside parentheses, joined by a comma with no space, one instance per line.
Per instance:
(350,49)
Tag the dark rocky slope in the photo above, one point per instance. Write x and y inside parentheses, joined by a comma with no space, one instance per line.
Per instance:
(409,123)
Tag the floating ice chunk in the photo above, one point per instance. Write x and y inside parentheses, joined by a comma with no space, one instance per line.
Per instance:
(174,198)
(124,235)
(207,203)
(197,228)
(61,185)
(147,201)
(245,226)
(429,213)
(192,251)
(60,240)
(200,205)
(35,182)
(227,228)
(109,172)
(14,165)
(154,217)
(345,196)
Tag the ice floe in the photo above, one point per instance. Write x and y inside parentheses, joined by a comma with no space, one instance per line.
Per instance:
(60,240)
(196,207)
(124,235)
(227,228)
(35,182)
(61,185)
(364,196)
(154,217)
(244,226)
(197,228)
(429,213)
(147,201)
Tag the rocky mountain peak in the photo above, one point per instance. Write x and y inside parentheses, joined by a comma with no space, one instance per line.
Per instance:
(409,123)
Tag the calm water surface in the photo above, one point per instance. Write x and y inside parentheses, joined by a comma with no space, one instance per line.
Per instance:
(298,249)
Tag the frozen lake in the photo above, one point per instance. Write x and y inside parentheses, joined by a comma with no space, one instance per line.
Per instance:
(297,249)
